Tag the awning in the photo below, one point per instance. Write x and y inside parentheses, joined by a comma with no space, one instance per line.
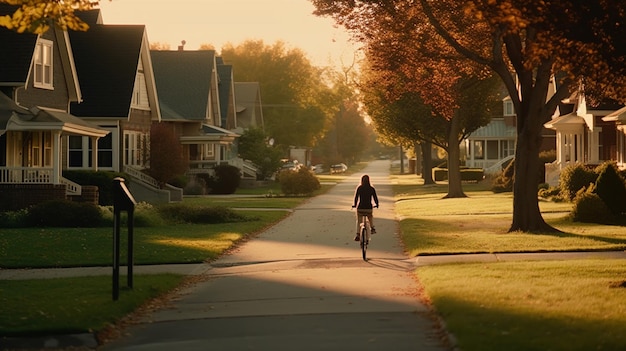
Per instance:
(43,119)
(210,134)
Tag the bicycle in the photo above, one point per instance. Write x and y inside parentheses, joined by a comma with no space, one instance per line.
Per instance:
(365,235)
(365,232)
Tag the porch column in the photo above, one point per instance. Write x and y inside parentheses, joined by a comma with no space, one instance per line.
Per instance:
(94,153)
(560,147)
(56,157)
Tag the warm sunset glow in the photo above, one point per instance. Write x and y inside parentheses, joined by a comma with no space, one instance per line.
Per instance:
(218,22)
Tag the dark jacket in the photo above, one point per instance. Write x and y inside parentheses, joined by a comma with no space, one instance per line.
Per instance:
(363,196)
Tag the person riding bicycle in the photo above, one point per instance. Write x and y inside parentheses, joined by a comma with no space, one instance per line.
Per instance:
(363,197)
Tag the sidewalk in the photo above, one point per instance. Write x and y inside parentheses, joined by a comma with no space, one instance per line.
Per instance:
(203,268)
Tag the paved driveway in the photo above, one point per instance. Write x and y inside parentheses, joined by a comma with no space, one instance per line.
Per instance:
(302,285)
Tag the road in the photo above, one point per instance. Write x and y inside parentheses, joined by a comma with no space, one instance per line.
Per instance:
(302,285)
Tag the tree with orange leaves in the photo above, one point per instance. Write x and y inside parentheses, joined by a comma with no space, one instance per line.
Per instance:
(36,16)
(527,43)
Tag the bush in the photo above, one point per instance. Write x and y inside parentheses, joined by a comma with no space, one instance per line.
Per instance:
(226,181)
(504,181)
(14,219)
(63,213)
(102,179)
(300,182)
(467,174)
(610,187)
(589,208)
(575,177)
(179,213)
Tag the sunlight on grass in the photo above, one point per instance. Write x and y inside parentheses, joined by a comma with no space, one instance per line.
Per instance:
(480,222)
(498,306)
(220,241)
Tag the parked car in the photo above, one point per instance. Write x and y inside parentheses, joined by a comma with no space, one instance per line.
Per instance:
(317,169)
(291,165)
(338,168)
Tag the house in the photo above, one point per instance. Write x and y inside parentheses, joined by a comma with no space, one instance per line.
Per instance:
(38,82)
(119,95)
(249,106)
(490,147)
(584,134)
(188,86)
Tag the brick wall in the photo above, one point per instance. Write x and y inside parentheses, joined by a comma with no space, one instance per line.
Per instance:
(18,196)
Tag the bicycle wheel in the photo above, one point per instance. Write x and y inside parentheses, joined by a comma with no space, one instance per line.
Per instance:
(364,243)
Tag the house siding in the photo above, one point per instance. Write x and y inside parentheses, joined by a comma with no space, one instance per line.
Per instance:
(56,98)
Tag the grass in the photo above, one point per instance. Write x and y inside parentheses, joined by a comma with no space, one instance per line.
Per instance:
(73,305)
(553,305)
(549,305)
(74,247)
(479,223)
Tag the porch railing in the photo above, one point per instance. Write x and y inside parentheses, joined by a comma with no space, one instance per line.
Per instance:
(71,188)
(28,175)
(138,174)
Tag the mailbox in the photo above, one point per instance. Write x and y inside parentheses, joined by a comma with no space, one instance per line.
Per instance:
(123,200)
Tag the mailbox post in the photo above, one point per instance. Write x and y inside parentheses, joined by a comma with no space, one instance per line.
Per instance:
(123,200)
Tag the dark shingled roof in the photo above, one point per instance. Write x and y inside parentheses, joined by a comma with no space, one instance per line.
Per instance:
(16,52)
(106,58)
(183,82)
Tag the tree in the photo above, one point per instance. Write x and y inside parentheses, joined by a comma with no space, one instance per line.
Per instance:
(166,154)
(36,16)
(527,43)
(407,99)
(253,146)
(295,97)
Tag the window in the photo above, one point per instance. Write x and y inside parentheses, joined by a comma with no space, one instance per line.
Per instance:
(135,147)
(43,64)
(76,151)
(105,151)
(479,153)
(508,107)
(492,149)
(507,148)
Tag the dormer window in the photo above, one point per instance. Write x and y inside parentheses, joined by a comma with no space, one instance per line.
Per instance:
(509,110)
(43,64)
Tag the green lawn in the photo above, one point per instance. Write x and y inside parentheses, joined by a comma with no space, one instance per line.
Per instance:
(551,305)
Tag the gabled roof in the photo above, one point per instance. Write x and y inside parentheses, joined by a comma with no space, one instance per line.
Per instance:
(225,73)
(107,57)
(183,82)
(248,99)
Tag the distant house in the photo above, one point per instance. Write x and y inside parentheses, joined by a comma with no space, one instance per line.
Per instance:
(188,86)
(249,105)
(38,81)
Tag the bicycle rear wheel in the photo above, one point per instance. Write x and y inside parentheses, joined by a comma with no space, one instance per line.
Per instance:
(364,243)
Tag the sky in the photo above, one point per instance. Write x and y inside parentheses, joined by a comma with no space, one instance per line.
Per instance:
(218,22)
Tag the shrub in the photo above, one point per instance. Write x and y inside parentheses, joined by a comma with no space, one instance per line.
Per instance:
(589,208)
(550,192)
(102,179)
(610,188)
(179,213)
(573,178)
(300,182)
(504,181)
(14,219)
(63,213)
(226,181)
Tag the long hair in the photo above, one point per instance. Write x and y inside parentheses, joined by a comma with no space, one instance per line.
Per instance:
(365,180)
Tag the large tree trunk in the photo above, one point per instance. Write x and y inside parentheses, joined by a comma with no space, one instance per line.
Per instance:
(427,169)
(455,188)
(526,214)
